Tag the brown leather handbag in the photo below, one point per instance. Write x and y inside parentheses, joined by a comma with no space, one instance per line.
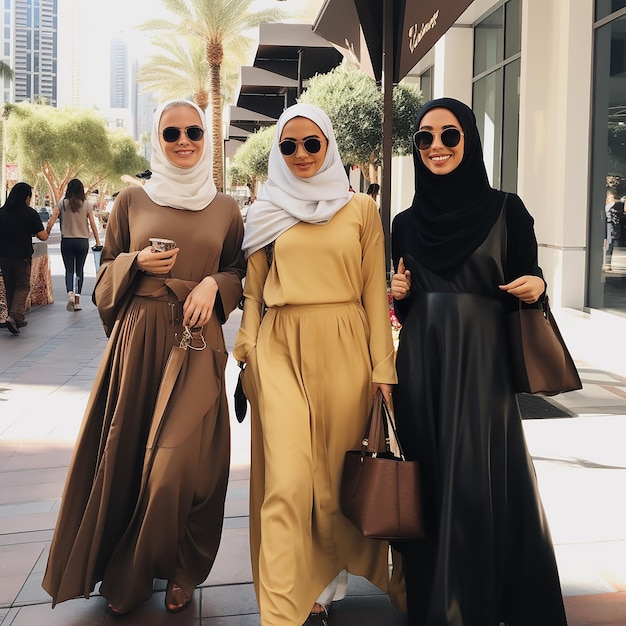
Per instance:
(541,361)
(381,492)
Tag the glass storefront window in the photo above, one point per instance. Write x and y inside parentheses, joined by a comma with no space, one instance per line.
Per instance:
(607,228)
(510,126)
(495,98)
(426,84)
(513,28)
(604,8)
(487,104)
(489,42)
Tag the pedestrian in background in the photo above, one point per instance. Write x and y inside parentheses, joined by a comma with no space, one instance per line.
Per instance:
(76,215)
(373,190)
(145,493)
(466,254)
(314,361)
(19,222)
(614,211)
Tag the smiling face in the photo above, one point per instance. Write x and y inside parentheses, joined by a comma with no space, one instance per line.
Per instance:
(302,163)
(182,152)
(438,158)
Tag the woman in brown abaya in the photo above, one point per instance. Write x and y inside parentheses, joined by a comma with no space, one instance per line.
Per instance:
(145,493)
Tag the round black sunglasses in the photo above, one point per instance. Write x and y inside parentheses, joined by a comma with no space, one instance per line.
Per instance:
(171,133)
(450,138)
(289,146)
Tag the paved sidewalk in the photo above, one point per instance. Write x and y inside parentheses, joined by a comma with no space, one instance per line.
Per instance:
(45,376)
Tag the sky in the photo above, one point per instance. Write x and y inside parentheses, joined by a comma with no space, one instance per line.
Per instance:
(98,22)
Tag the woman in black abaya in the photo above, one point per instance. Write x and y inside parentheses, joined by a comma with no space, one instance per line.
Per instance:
(465,253)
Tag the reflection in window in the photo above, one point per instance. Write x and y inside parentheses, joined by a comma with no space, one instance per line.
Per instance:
(607,227)
(495,100)
(604,8)
(487,104)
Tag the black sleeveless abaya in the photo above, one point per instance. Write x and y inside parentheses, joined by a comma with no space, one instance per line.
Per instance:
(488,555)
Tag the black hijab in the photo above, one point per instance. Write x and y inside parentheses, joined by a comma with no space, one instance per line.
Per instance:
(453,213)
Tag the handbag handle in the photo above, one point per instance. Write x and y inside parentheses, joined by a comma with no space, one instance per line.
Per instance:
(544,306)
(370,444)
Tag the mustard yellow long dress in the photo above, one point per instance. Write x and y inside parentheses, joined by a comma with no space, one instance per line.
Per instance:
(311,361)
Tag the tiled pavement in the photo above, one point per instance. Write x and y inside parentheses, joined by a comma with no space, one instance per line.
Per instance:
(45,377)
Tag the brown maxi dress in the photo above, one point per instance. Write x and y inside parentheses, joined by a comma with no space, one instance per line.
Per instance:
(311,362)
(142,503)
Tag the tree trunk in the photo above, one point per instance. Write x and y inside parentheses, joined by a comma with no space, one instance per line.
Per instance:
(373,169)
(216,127)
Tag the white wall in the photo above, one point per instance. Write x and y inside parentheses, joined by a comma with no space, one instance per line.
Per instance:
(554,150)
(454,54)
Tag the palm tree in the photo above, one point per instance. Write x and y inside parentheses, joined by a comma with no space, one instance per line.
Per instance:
(182,70)
(5,70)
(220,25)
(179,71)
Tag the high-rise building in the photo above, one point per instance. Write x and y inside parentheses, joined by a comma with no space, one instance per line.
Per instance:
(120,66)
(29,47)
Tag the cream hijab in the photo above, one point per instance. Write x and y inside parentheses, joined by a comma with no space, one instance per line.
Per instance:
(189,189)
(286,199)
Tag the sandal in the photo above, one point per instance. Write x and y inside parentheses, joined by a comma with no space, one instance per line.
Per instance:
(176,599)
(114,611)
(317,618)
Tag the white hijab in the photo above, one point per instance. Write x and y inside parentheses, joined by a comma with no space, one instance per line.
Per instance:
(189,189)
(287,199)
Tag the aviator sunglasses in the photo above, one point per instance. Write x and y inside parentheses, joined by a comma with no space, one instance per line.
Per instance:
(289,146)
(171,133)
(450,138)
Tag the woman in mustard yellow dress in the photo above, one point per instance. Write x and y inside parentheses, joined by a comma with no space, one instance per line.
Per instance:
(314,360)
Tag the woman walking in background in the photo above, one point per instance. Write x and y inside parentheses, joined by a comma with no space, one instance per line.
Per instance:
(314,361)
(76,214)
(465,254)
(19,222)
(145,493)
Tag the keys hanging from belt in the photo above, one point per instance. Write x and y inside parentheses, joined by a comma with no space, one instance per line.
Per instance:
(192,338)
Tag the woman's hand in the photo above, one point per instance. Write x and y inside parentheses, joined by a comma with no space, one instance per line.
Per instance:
(198,306)
(158,263)
(385,388)
(527,288)
(401,282)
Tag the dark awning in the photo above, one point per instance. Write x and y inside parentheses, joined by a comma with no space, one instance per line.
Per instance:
(338,22)
(287,56)
(417,26)
(265,92)
(243,122)
(294,50)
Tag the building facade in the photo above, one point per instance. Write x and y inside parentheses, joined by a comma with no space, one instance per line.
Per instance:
(29,47)
(547,81)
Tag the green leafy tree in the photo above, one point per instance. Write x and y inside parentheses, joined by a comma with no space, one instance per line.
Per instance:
(61,144)
(355,106)
(124,159)
(221,25)
(249,164)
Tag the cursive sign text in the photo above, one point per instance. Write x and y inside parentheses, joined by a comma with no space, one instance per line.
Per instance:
(417,32)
